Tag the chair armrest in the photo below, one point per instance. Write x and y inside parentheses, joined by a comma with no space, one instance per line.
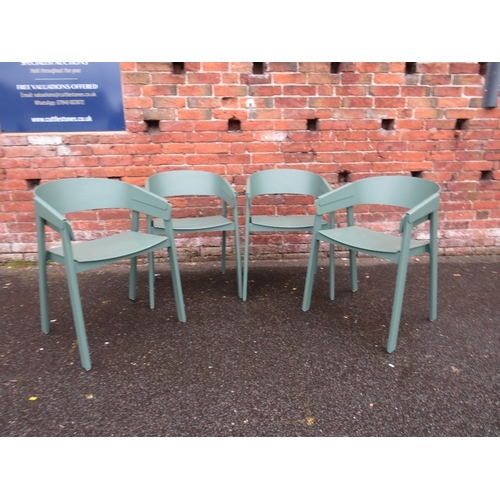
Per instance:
(151,204)
(335,200)
(53,218)
(228,194)
(421,212)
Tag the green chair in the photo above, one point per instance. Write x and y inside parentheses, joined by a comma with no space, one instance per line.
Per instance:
(54,200)
(280,182)
(419,196)
(186,183)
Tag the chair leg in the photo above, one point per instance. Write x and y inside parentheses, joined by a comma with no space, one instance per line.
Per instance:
(311,271)
(397,304)
(176,282)
(42,276)
(76,306)
(223,259)
(433,287)
(245,266)
(331,280)
(433,271)
(44,295)
(354,270)
(238,261)
(151,279)
(132,287)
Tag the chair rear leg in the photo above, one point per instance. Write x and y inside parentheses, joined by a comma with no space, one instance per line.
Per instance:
(238,262)
(42,276)
(332,273)
(132,287)
(433,268)
(151,279)
(433,287)
(223,259)
(245,266)
(354,270)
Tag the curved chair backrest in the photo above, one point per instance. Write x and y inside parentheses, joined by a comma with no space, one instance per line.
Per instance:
(190,182)
(392,190)
(286,181)
(74,195)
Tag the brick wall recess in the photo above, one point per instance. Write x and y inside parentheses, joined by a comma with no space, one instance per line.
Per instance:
(345,121)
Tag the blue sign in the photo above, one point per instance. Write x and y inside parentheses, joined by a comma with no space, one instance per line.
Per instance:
(60,97)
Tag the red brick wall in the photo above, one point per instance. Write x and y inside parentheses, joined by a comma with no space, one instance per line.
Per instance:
(371,119)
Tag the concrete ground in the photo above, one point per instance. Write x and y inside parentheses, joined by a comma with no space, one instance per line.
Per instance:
(257,368)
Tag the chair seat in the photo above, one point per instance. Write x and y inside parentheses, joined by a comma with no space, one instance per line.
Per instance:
(367,240)
(284,221)
(195,223)
(123,245)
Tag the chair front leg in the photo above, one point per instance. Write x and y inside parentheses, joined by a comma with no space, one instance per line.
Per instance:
(42,277)
(311,271)
(176,283)
(399,291)
(76,306)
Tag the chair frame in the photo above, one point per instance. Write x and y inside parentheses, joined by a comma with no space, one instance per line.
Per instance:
(184,183)
(82,194)
(276,182)
(420,196)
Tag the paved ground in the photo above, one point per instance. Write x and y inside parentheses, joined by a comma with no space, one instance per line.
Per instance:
(257,368)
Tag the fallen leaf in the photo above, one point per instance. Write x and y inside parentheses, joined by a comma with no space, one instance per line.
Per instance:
(33,398)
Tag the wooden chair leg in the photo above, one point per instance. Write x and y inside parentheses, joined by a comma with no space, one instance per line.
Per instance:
(76,307)
(151,280)
(433,268)
(42,276)
(176,282)
(132,287)
(397,304)
(44,295)
(354,270)
(223,258)
(245,266)
(311,271)
(238,262)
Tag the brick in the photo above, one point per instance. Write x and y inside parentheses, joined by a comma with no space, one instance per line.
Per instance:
(357,102)
(204,78)
(203,102)
(136,78)
(289,78)
(314,67)
(161,90)
(282,67)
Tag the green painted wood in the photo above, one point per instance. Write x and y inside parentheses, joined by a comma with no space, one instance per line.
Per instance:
(54,200)
(185,183)
(281,181)
(421,199)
